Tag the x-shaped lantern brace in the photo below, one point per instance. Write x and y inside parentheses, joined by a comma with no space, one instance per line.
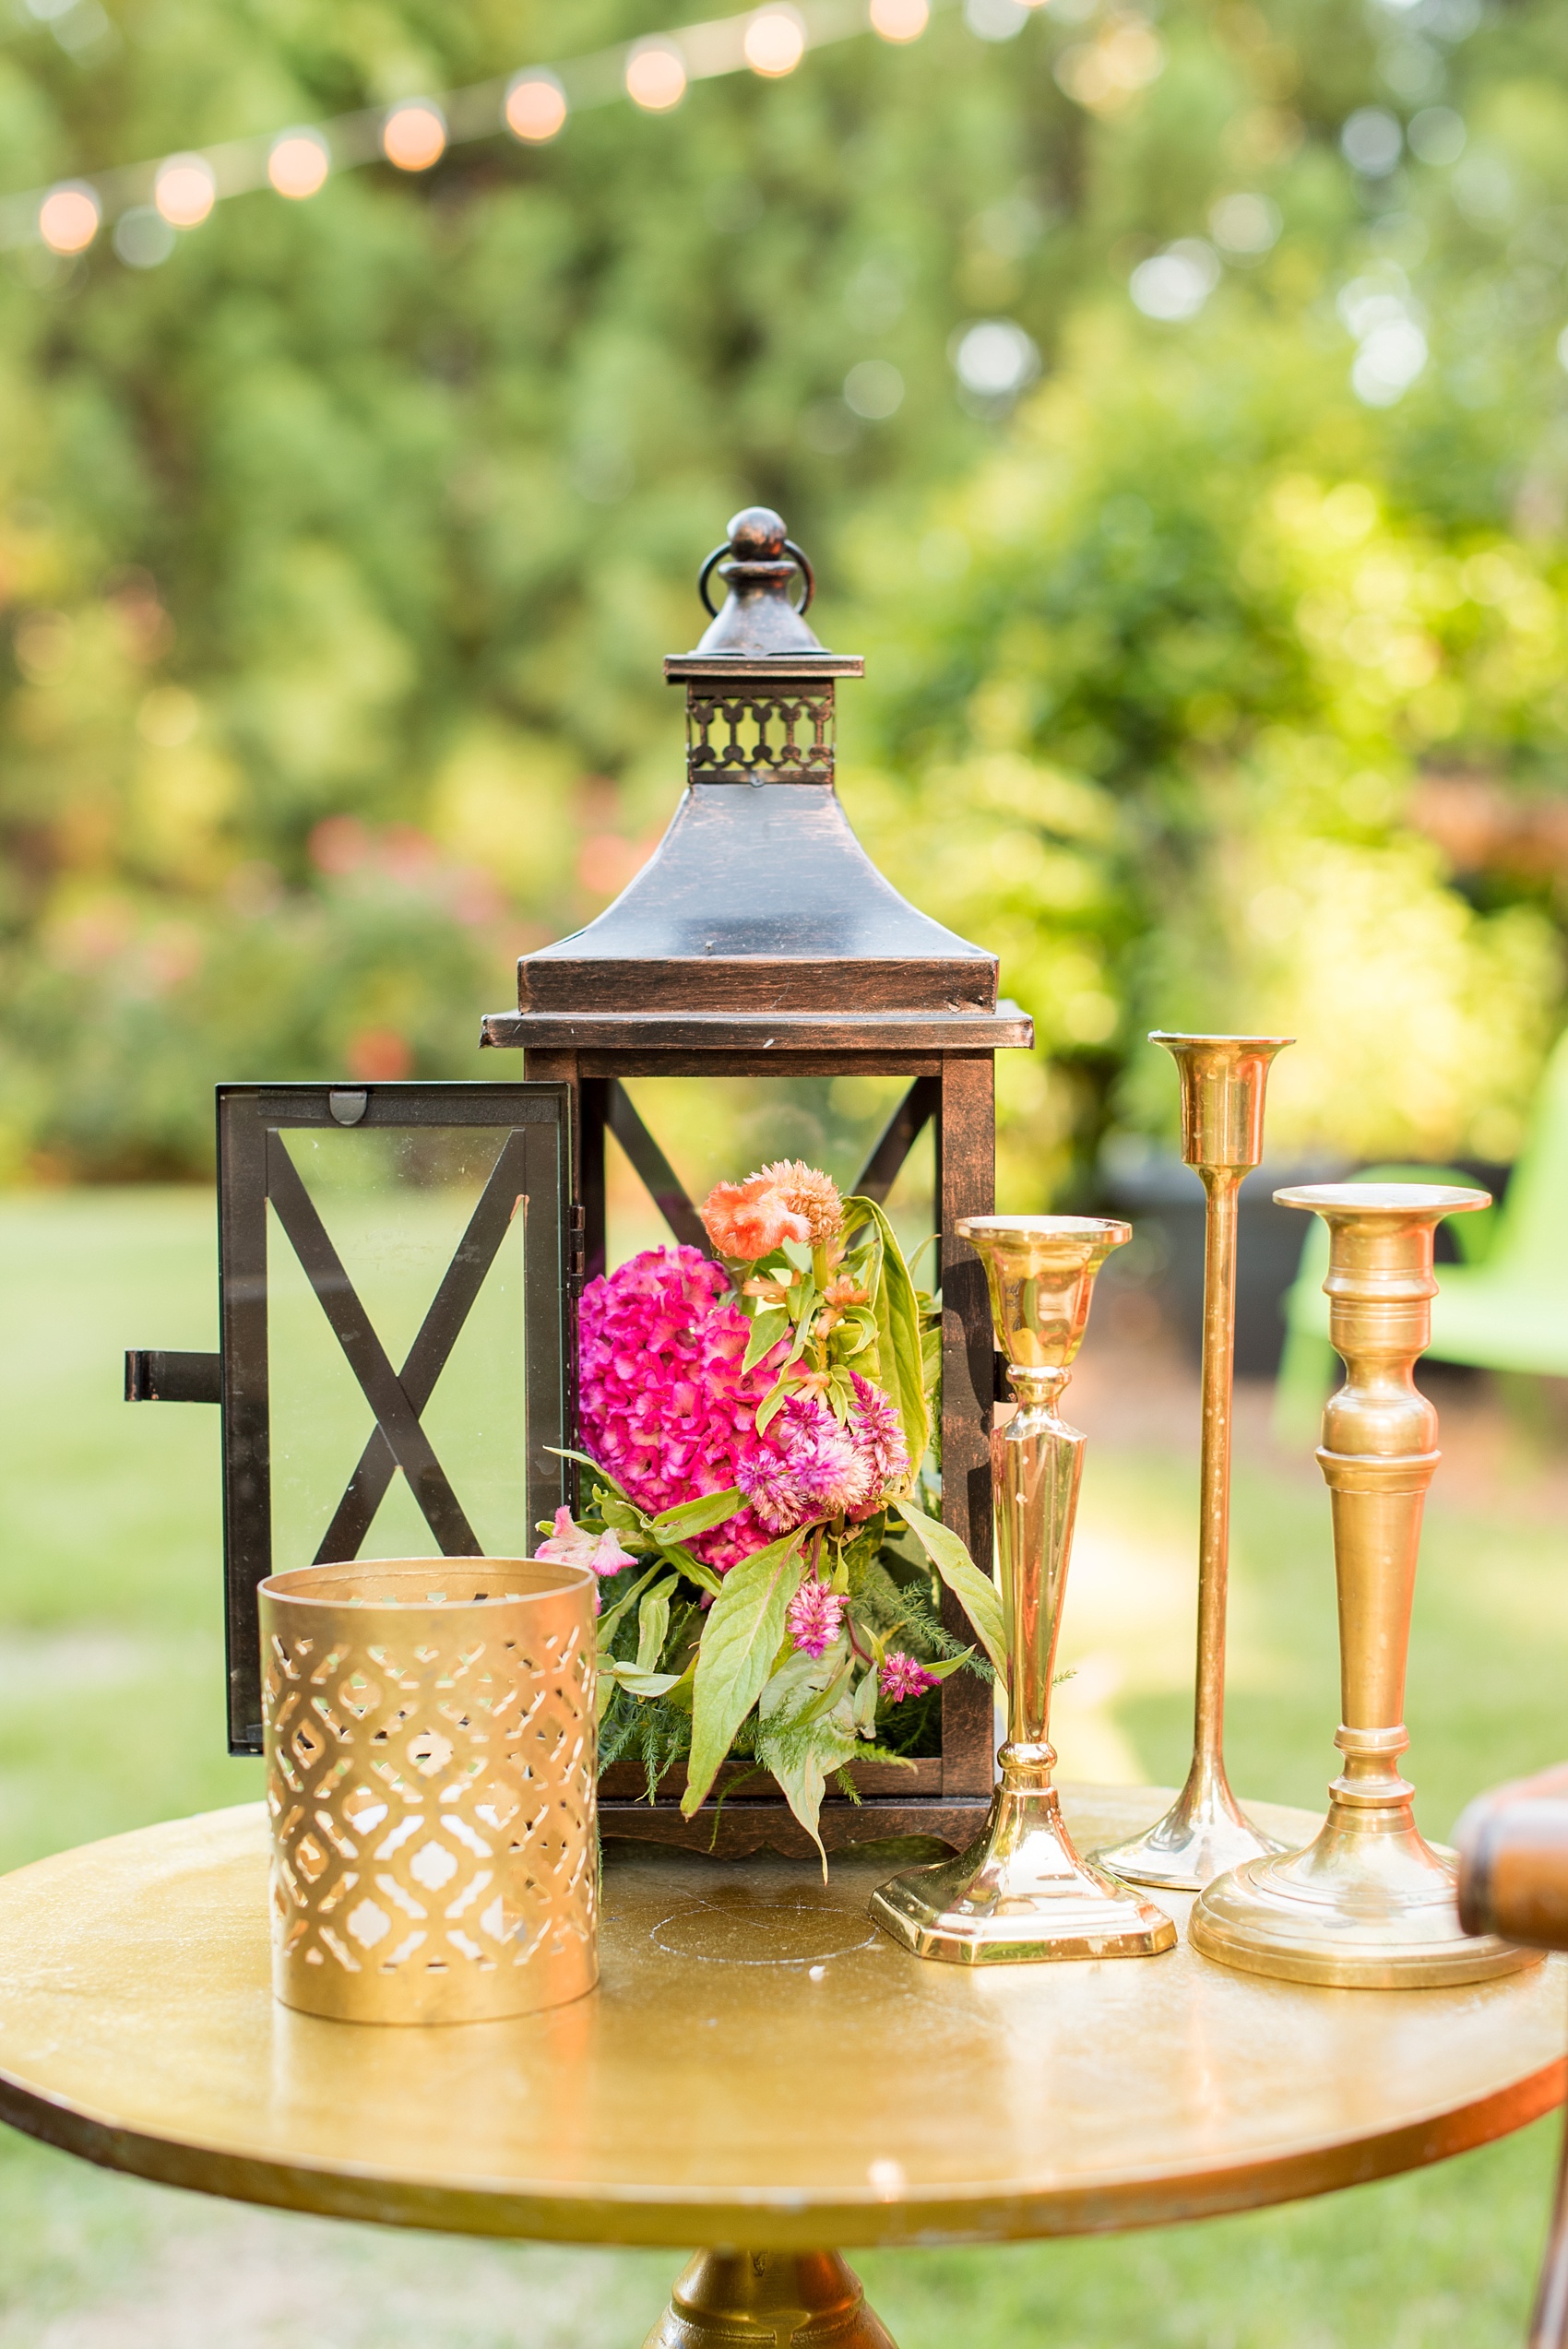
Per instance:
(914,1112)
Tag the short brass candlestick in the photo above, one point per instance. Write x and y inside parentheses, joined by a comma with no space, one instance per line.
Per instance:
(1206,1830)
(1369,1903)
(1021,1892)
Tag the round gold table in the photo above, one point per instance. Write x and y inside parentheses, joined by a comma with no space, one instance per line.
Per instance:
(760,2071)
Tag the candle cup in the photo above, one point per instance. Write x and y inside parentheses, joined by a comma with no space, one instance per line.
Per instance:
(1368,1904)
(430,1750)
(1205,1832)
(1021,1893)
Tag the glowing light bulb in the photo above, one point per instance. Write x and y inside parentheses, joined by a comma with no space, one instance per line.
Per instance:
(414,136)
(298,163)
(536,107)
(900,20)
(656,77)
(184,190)
(775,42)
(69,217)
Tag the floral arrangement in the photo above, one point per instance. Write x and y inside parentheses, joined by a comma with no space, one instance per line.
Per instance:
(762,1497)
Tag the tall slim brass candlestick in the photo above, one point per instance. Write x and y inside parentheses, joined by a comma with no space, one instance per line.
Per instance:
(1369,1903)
(1021,1892)
(1206,1830)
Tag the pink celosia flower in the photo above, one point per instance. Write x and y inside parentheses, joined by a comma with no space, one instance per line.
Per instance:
(815,1617)
(570,1546)
(751,1219)
(901,1677)
(663,1403)
(878,1434)
(807,1466)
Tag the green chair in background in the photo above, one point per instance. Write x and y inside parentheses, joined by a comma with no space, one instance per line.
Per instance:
(1503,1306)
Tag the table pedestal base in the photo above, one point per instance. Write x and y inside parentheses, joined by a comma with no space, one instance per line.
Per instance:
(769,2300)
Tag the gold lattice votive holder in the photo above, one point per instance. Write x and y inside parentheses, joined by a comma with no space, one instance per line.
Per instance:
(431,1771)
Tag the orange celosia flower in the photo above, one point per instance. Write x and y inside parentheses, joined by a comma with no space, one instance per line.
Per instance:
(752,1218)
(808,1192)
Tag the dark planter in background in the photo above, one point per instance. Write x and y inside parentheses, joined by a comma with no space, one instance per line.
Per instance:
(1163,1201)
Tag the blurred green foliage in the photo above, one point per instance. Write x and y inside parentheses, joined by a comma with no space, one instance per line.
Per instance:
(339,549)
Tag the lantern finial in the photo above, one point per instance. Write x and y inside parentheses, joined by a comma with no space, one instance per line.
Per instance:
(757,563)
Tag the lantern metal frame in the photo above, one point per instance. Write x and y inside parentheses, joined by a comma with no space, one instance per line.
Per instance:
(256,1171)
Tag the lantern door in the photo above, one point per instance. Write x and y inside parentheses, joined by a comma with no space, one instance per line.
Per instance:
(393,1372)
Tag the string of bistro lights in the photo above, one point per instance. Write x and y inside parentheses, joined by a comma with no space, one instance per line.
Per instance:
(177,192)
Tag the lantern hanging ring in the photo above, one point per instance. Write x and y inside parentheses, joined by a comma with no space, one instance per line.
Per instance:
(706,574)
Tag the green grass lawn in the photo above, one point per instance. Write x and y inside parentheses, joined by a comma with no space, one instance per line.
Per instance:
(110,1596)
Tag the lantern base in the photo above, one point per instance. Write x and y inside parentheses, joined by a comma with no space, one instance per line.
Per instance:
(1204,1834)
(727,2300)
(1368,1905)
(1020,1894)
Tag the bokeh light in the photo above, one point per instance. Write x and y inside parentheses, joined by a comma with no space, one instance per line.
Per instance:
(1247,224)
(775,42)
(413,136)
(1372,141)
(1172,286)
(298,163)
(875,389)
(995,359)
(656,77)
(536,107)
(1436,136)
(69,217)
(184,190)
(900,20)
(143,238)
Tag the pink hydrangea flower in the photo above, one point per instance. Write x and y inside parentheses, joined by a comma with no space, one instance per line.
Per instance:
(901,1677)
(814,1617)
(570,1546)
(662,1401)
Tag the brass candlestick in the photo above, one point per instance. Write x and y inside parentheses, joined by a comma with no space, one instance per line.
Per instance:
(1021,1892)
(1369,1903)
(1206,1830)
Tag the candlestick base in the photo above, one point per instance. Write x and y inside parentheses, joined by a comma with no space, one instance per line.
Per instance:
(1368,1905)
(1020,1894)
(1204,1834)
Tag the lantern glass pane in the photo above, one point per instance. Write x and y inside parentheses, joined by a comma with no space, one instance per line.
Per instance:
(721,1129)
(395,1204)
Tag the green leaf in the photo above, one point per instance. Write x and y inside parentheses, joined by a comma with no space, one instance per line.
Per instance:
(739,1641)
(899,1352)
(771,1404)
(676,1554)
(653,1625)
(689,1517)
(639,1683)
(584,1460)
(609,1624)
(766,1331)
(975,1593)
(798,1744)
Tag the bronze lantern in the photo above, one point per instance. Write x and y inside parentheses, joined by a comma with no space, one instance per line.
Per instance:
(759,940)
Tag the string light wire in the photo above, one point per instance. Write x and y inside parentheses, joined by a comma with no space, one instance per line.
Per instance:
(533,105)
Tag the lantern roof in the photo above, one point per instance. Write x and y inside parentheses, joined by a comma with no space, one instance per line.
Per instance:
(759,909)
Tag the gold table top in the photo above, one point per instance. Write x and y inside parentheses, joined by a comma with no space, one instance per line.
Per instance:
(759,2066)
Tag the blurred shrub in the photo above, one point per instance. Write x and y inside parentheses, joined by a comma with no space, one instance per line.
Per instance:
(1216,679)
